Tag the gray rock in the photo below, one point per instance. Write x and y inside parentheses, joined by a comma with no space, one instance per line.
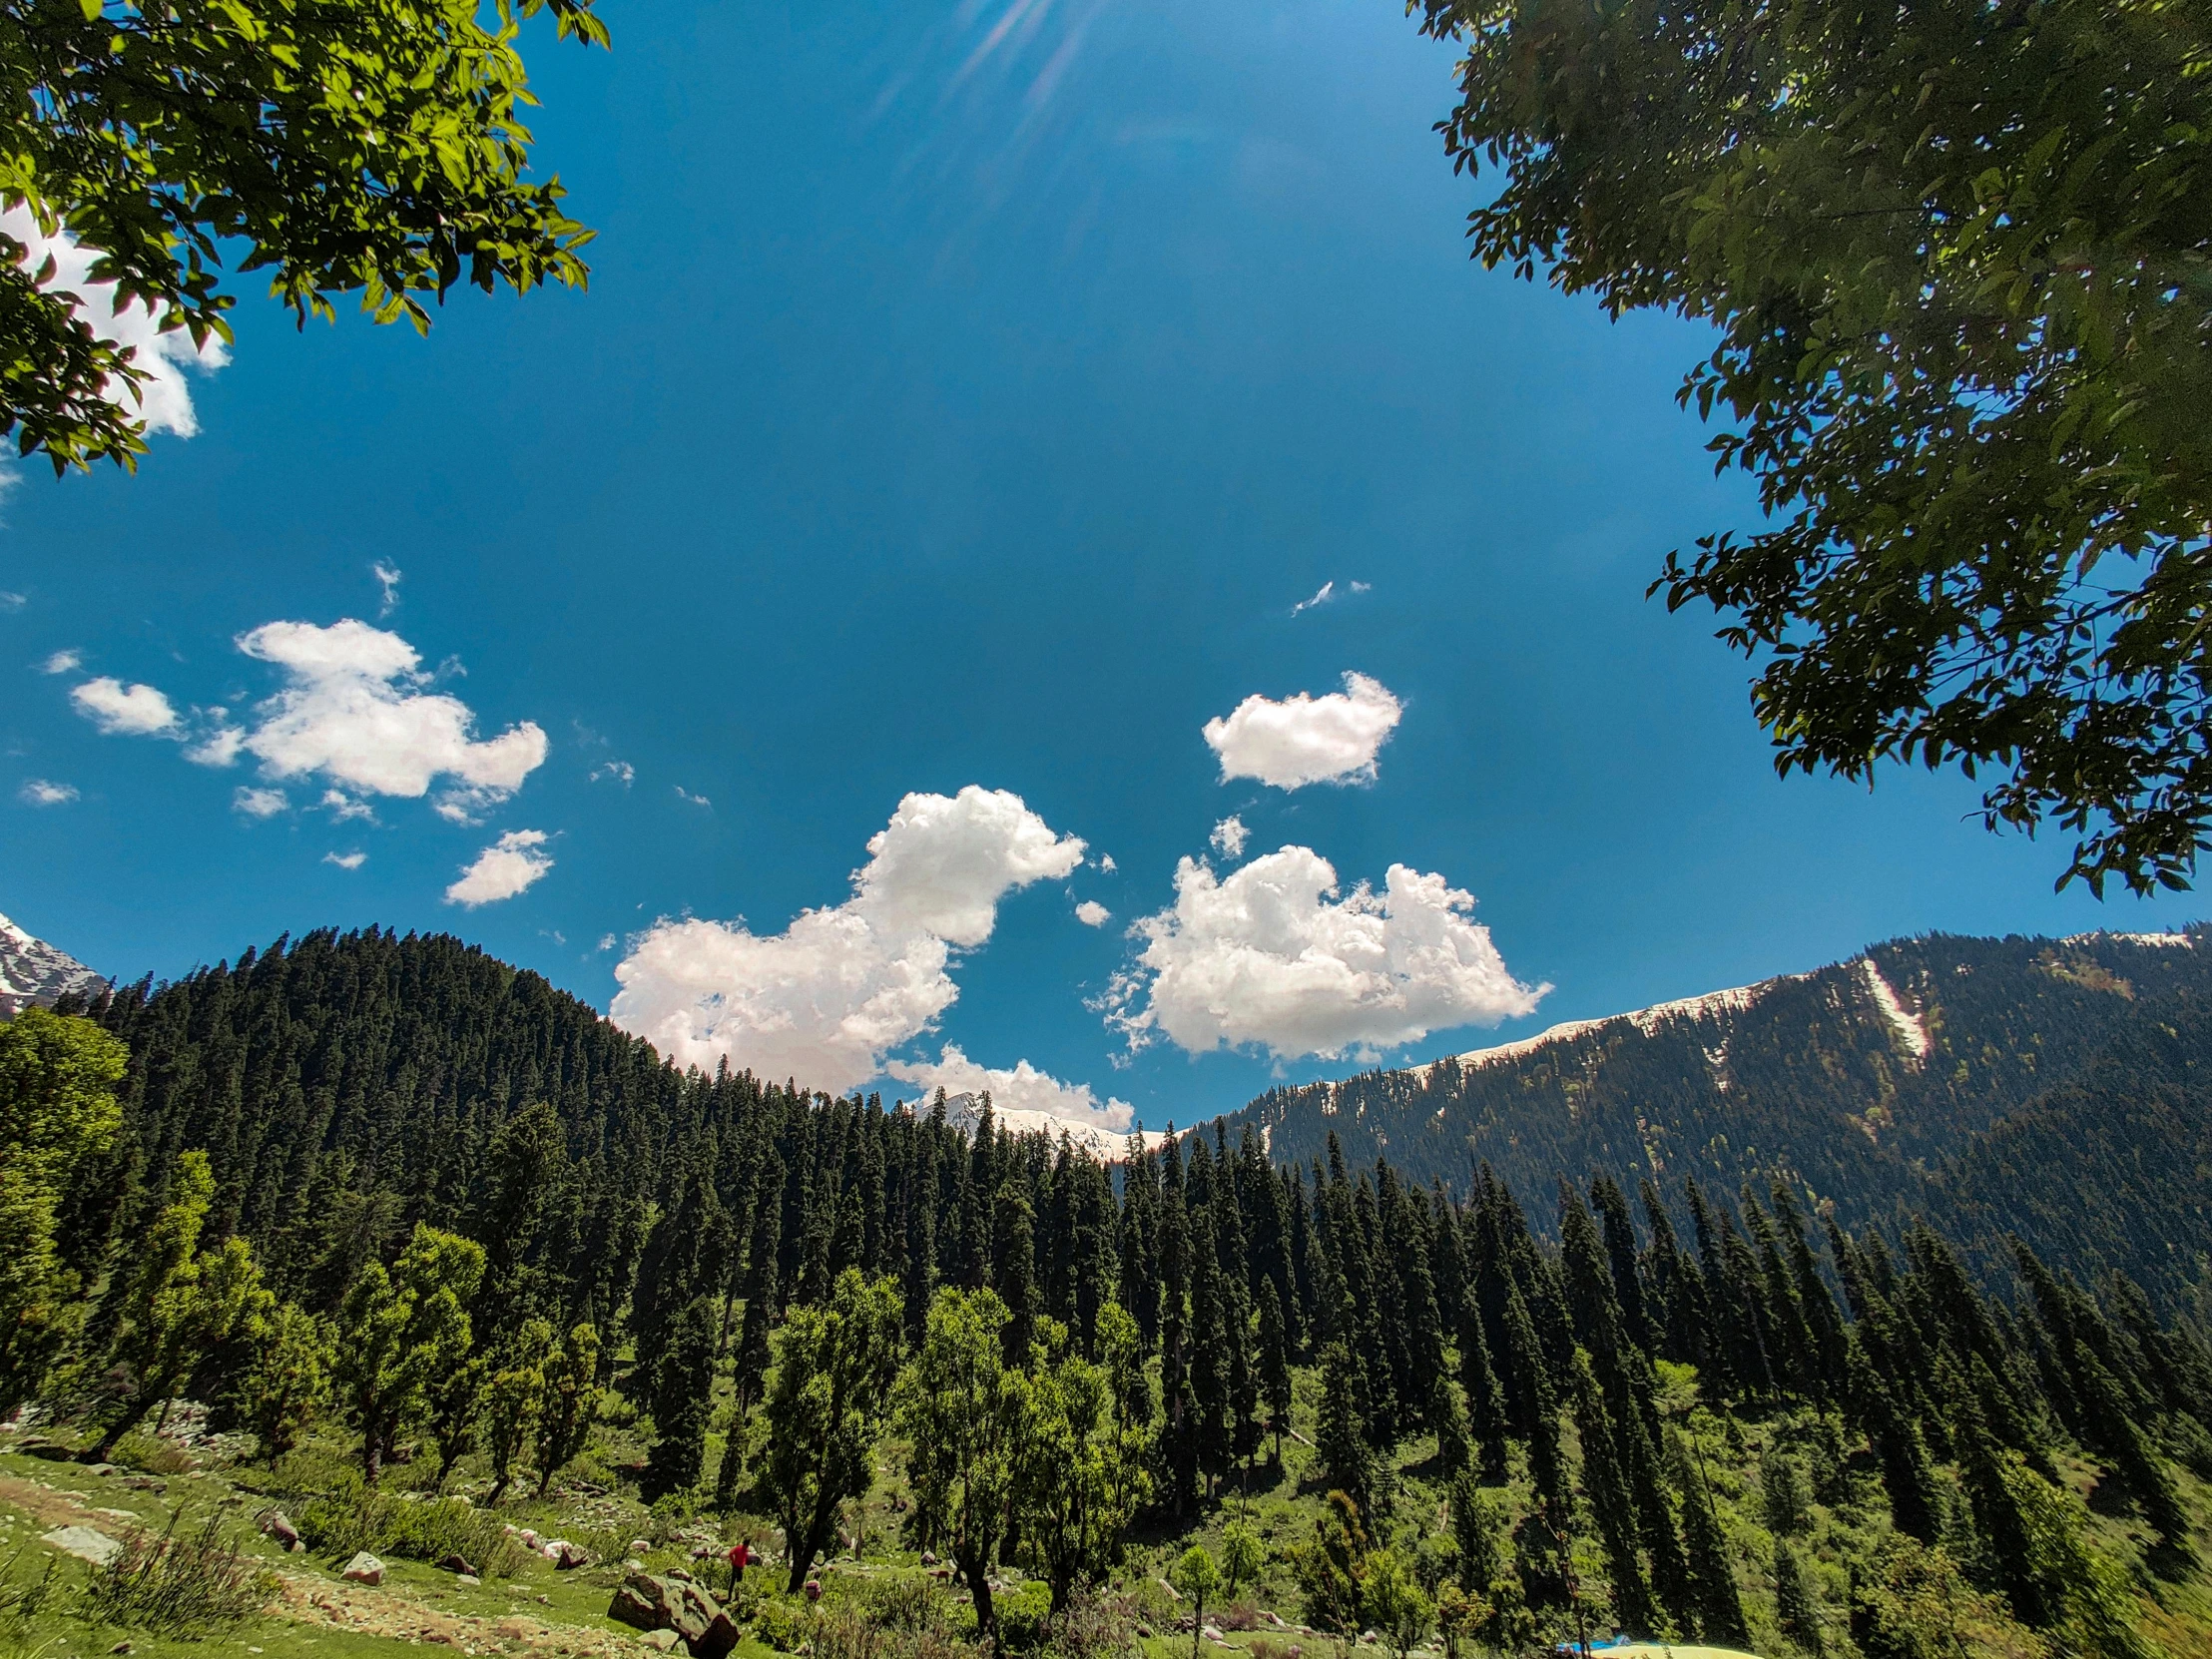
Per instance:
(661,1641)
(365,1568)
(84,1542)
(278,1525)
(665,1602)
(565,1556)
(468,1579)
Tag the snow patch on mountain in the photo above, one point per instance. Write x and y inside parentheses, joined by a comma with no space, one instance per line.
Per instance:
(1909,1028)
(33,972)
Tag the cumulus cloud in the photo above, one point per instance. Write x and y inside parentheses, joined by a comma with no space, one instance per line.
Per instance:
(1021,1099)
(388,578)
(1091,913)
(163,399)
(342,807)
(258,802)
(507,866)
(1305,739)
(1106,863)
(44,791)
(1271,957)
(347,861)
(1228,837)
(62,661)
(354,708)
(621,771)
(825,999)
(220,748)
(124,711)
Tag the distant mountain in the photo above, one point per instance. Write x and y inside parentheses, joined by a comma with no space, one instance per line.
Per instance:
(33,971)
(2056,1087)
(965,1111)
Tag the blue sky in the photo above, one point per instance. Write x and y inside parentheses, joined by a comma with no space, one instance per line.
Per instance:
(966,395)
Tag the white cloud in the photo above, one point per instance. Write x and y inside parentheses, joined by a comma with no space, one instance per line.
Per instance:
(683,794)
(41,791)
(220,748)
(124,711)
(163,399)
(354,709)
(387,577)
(63,662)
(1363,587)
(12,601)
(1106,863)
(1091,913)
(504,868)
(345,860)
(1305,739)
(342,807)
(1024,1098)
(1228,837)
(1269,957)
(1327,593)
(258,802)
(605,942)
(621,771)
(825,999)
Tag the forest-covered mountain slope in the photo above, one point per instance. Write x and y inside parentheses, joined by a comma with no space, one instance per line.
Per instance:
(2052,1086)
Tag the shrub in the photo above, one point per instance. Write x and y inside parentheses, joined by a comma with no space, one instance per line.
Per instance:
(1023,1615)
(149,1455)
(909,1602)
(1095,1624)
(782,1623)
(340,1524)
(177,1584)
(303,1472)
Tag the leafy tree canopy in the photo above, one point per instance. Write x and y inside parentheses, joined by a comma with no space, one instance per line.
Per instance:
(343,146)
(1957,255)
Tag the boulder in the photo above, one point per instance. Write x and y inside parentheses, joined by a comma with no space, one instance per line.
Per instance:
(668,1603)
(1212,1633)
(661,1641)
(458,1564)
(565,1556)
(529,1538)
(278,1525)
(638,1546)
(87,1543)
(365,1568)
(467,1578)
(928,1559)
(1173,1593)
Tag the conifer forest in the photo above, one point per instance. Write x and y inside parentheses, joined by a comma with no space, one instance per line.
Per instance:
(391,1254)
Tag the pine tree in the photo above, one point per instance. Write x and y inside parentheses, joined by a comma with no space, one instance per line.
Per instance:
(1274,1369)
(1014,1274)
(1341,1437)
(1796,1609)
(1607,1487)
(681,1398)
(1719,1609)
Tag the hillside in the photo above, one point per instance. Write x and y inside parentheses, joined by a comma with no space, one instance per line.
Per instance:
(389,1216)
(1927,1071)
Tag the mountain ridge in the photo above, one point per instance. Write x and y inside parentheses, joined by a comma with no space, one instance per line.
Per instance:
(35,973)
(1867,1085)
